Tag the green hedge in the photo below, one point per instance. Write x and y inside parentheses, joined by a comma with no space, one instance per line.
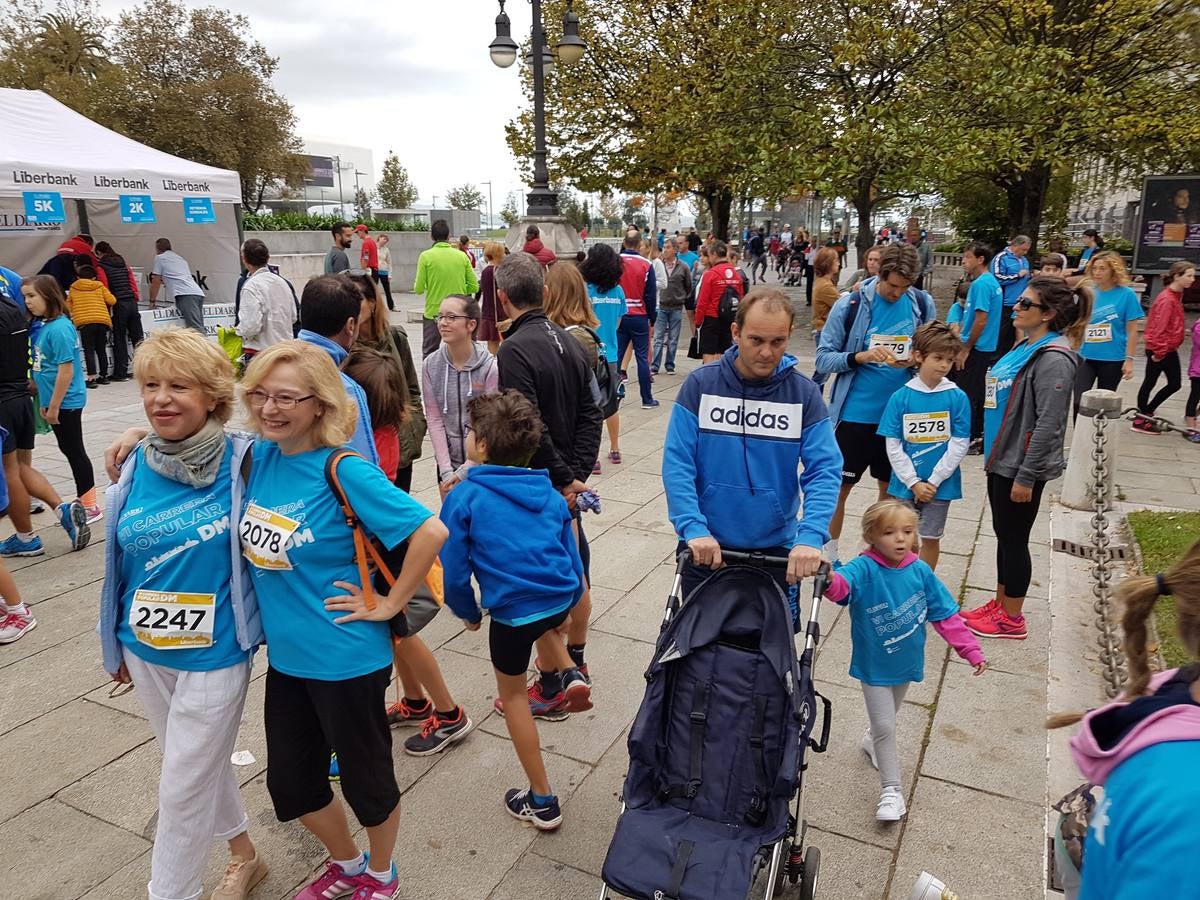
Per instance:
(294,221)
(950,246)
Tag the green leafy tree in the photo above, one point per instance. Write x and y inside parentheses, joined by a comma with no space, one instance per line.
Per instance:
(671,114)
(395,190)
(570,207)
(867,127)
(510,212)
(1056,83)
(362,204)
(465,196)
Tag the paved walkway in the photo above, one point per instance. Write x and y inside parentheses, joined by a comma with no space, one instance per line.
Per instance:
(82,767)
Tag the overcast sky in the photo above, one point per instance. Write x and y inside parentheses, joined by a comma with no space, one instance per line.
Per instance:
(405,75)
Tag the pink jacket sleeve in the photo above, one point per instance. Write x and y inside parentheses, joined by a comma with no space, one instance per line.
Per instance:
(838,590)
(954,632)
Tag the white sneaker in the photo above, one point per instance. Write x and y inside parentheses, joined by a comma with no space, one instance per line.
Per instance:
(14,625)
(36,505)
(891,806)
(868,747)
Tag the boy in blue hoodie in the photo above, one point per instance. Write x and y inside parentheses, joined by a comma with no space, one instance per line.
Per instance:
(529,579)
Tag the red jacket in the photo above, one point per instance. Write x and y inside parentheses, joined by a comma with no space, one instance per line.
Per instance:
(1165,325)
(633,283)
(540,251)
(369,255)
(712,286)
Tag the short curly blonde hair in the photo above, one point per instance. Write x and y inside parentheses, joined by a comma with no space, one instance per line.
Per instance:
(190,357)
(339,415)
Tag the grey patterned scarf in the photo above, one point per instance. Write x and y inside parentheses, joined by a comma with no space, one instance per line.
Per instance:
(193,461)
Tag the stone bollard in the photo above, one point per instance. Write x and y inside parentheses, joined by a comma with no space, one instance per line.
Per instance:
(1079,483)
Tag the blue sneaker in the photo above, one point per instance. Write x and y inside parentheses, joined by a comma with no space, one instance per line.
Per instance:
(14,546)
(520,805)
(74,520)
(652,404)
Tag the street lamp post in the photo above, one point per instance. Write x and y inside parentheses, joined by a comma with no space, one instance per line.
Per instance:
(542,202)
(489,218)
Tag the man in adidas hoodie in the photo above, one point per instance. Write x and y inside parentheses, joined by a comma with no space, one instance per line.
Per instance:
(740,431)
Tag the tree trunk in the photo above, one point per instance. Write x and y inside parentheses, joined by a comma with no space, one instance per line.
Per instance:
(722,202)
(1026,201)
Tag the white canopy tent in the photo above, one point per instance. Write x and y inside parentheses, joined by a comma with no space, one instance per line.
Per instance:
(46,147)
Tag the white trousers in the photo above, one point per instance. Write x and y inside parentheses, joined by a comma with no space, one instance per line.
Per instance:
(195,716)
(883,704)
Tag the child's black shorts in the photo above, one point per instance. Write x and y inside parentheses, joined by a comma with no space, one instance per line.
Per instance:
(512,645)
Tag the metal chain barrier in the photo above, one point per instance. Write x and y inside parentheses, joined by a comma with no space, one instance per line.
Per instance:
(1111,654)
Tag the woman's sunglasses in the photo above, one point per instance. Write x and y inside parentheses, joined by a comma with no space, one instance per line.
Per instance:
(1023,303)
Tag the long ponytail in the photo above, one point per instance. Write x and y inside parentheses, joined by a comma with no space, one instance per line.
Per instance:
(1072,307)
(1138,596)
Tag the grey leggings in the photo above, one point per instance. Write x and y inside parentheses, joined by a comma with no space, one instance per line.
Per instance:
(883,704)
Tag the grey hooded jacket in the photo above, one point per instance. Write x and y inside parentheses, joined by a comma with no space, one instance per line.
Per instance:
(1029,445)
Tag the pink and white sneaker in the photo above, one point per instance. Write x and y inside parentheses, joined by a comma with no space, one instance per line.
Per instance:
(334,883)
(14,625)
(370,889)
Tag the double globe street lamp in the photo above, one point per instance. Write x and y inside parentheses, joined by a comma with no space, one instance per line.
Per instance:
(541,201)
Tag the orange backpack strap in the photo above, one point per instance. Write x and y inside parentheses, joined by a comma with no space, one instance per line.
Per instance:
(364,550)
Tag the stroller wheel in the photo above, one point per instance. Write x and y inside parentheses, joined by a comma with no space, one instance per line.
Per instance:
(812,869)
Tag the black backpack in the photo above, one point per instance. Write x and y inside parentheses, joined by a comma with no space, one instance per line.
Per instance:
(608,387)
(727,306)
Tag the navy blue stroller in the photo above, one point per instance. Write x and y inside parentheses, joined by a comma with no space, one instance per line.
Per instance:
(717,751)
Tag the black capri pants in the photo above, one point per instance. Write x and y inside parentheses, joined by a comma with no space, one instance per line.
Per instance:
(306,719)
(1012,524)
(69,435)
(1104,374)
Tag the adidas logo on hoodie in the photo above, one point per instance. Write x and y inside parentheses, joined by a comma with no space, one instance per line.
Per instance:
(758,418)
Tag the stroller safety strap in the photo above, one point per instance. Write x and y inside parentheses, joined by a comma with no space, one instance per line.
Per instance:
(757,812)
(677,871)
(699,718)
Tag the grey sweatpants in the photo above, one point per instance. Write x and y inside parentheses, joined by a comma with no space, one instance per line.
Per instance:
(883,704)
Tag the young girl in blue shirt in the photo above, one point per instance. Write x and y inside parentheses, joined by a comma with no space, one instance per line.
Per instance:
(58,373)
(891,595)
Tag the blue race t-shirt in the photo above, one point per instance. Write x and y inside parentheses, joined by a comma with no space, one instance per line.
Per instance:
(998,385)
(1143,831)
(888,611)
(984,295)
(689,259)
(296,538)
(924,421)
(954,315)
(609,307)
(175,557)
(894,325)
(1104,339)
(58,343)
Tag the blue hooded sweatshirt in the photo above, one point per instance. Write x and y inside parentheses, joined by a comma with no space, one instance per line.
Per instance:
(512,530)
(733,452)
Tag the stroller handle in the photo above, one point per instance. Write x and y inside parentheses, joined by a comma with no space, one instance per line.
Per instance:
(762,560)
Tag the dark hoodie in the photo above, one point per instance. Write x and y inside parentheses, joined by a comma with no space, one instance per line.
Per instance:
(1146,753)
(512,530)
